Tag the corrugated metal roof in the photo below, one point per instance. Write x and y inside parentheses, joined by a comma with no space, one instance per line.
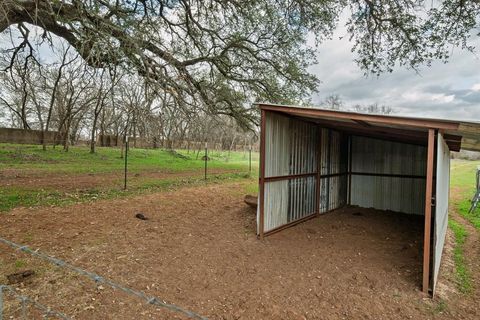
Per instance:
(414,126)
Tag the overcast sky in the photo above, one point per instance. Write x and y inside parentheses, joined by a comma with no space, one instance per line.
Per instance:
(444,90)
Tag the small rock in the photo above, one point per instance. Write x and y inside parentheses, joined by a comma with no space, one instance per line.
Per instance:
(141,216)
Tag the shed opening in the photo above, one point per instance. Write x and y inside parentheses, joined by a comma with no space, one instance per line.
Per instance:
(314,161)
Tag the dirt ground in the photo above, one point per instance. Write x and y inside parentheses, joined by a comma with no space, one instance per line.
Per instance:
(68,182)
(199,250)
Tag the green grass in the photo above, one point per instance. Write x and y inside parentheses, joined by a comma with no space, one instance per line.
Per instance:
(31,198)
(463,180)
(31,158)
(464,280)
(251,188)
(19,264)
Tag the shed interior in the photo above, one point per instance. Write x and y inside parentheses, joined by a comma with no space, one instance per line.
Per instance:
(312,168)
(314,161)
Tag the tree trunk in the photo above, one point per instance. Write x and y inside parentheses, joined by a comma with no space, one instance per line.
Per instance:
(94,129)
(67,136)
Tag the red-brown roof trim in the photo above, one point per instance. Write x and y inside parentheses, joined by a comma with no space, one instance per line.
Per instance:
(391,120)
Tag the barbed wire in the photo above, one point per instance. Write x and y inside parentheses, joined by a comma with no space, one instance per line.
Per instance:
(26,300)
(98,279)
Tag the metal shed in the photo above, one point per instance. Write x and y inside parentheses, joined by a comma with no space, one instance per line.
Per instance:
(313,161)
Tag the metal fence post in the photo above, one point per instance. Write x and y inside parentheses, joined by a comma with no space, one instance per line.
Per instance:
(1,302)
(126,156)
(478,178)
(24,308)
(206,159)
(250,160)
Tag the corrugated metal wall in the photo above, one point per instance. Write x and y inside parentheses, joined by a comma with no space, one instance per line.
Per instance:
(441,203)
(333,169)
(291,148)
(277,146)
(375,164)
(386,175)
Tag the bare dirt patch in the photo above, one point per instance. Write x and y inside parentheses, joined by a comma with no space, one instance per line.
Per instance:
(199,250)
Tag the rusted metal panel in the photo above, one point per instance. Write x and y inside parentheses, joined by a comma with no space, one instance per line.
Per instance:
(442,192)
(403,191)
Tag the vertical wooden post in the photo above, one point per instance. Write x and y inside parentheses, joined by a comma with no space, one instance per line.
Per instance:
(428,210)
(261,197)
(329,144)
(319,170)
(349,169)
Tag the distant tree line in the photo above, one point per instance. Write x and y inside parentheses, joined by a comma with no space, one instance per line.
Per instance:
(209,58)
(335,102)
(81,102)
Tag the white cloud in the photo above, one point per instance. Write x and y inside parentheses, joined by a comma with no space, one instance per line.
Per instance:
(449,90)
(419,96)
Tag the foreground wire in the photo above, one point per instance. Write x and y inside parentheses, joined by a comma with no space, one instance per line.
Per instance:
(98,279)
(26,300)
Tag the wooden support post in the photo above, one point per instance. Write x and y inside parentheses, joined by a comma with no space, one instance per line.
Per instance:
(261,196)
(349,169)
(428,210)
(319,170)
(329,142)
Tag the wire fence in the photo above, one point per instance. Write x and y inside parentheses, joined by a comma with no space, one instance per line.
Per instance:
(476,198)
(47,312)
(93,276)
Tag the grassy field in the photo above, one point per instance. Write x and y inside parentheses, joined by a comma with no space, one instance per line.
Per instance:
(32,158)
(462,182)
(464,279)
(183,168)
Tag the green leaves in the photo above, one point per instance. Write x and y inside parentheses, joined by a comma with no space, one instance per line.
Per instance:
(222,55)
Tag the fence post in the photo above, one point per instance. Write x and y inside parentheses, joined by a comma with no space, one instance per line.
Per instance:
(250,160)
(24,308)
(126,161)
(1,302)
(478,177)
(206,159)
